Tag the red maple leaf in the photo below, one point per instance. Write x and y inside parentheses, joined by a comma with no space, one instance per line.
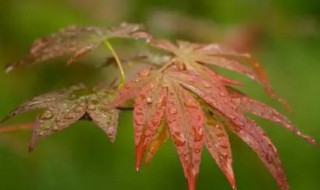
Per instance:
(193,105)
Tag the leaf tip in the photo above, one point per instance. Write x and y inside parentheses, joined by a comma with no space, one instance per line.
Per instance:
(192,179)
(31,147)
(112,139)
(314,142)
(307,138)
(8,69)
(139,155)
(232,181)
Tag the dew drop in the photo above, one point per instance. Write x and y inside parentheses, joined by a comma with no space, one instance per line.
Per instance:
(91,107)
(70,116)
(190,103)
(44,127)
(46,115)
(172,110)
(155,122)
(186,160)
(232,117)
(41,133)
(82,104)
(79,109)
(180,142)
(240,124)
(144,73)
(206,84)
(222,94)
(55,128)
(198,137)
(149,100)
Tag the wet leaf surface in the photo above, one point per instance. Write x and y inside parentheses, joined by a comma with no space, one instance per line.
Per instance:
(178,96)
(62,108)
(199,105)
(76,41)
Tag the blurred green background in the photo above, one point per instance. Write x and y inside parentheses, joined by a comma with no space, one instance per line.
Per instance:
(284,35)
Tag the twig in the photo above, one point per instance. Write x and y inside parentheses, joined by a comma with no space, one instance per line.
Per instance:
(116,57)
(7,129)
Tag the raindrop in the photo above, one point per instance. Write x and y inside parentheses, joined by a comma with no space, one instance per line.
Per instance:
(55,128)
(91,107)
(172,111)
(240,124)
(190,103)
(41,133)
(198,136)
(155,122)
(44,127)
(46,115)
(144,73)
(206,84)
(149,100)
(79,109)
(70,116)
(232,117)
(186,160)
(180,142)
(222,93)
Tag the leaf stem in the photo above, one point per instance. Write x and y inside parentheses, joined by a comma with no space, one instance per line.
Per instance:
(166,66)
(16,127)
(116,57)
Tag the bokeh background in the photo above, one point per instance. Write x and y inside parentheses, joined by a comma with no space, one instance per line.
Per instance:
(284,35)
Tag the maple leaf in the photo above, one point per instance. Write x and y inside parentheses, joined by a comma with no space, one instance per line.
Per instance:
(193,105)
(158,96)
(64,107)
(193,54)
(76,41)
(178,96)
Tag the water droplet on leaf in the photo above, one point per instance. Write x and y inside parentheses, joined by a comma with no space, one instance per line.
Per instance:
(172,111)
(149,100)
(46,115)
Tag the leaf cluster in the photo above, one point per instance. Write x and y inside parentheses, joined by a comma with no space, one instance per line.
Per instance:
(177,95)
